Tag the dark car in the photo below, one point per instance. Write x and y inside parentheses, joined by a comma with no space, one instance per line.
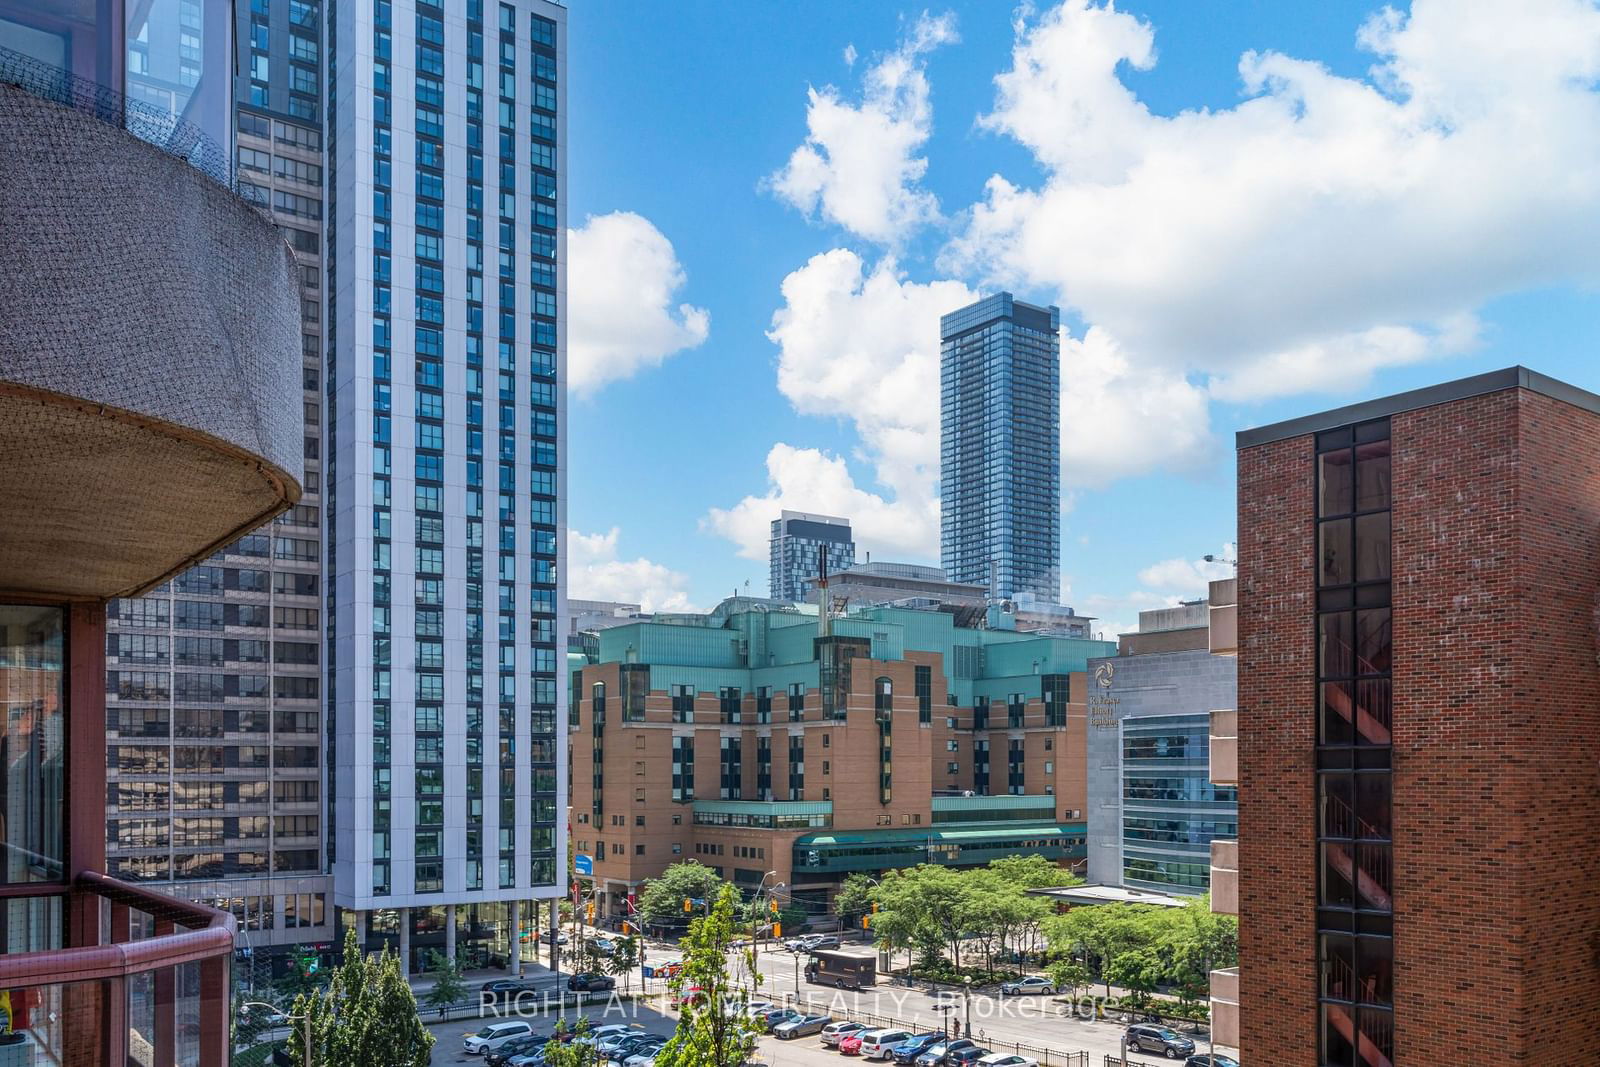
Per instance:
(498,1057)
(1163,1039)
(908,1051)
(777,1016)
(506,988)
(962,1056)
(935,1054)
(591,982)
(1212,1059)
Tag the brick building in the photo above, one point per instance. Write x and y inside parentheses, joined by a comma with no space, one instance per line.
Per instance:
(749,740)
(1418,699)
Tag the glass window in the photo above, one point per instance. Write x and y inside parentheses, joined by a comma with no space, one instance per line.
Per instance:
(33,697)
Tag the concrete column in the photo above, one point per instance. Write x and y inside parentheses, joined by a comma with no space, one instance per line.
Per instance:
(405,940)
(515,949)
(555,924)
(361,930)
(450,932)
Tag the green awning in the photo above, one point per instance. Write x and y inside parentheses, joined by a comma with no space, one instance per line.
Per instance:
(955,835)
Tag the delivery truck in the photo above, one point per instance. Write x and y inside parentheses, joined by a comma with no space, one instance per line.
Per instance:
(843,967)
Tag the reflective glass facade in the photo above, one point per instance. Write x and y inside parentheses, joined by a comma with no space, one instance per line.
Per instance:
(1000,454)
(446,373)
(795,552)
(1170,809)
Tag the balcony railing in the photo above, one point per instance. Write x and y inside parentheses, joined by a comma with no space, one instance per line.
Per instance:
(133,977)
(1225,747)
(1225,877)
(1225,1007)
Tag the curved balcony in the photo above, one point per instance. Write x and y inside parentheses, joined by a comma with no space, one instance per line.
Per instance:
(150,358)
(119,976)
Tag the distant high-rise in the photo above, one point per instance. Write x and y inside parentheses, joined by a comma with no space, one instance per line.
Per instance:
(1000,446)
(797,540)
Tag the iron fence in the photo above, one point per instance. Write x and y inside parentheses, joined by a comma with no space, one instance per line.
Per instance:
(1047,1057)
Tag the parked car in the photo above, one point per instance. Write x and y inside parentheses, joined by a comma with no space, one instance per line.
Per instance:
(532,1058)
(759,1007)
(505,988)
(1033,983)
(800,1026)
(964,1057)
(908,1050)
(519,1046)
(589,982)
(599,1033)
(877,1044)
(1162,1039)
(494,1035)
(1211,1059)
(619,1051)
(559,937)
(263,1016)
(777,1017)
(833,1033)
(822,941)
(646,1055)
(1007,1059)
(614,1041)
(934,1055)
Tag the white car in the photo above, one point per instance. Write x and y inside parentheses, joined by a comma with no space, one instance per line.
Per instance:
(600,1033)
(875,1044)
(494,1035)
(644,1059)
(1006,1059)
(759,1007)
(833,1033)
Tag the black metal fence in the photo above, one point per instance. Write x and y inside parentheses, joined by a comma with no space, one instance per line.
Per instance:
(152,125)
(1047,1057)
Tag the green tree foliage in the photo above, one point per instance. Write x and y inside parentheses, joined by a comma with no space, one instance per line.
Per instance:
(624,959)
(1139,970)
(574,1053)
(942,914)
(1186,944)
(661,903)
(713,1031)
(1103,931)
(448,986)
(854,898)
(366,1014)
(1070,976)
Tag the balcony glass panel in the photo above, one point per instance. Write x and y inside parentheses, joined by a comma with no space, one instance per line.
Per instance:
(32,771)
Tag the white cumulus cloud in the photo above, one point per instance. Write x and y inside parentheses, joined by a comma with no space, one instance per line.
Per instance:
(857,343)
(1321,229)
(622,286)
(859,165)
(595,573)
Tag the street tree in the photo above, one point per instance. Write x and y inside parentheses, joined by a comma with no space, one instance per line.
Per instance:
(854,898)
(711,1031)
(448,986)
(366,1014)
(661,903)
(1102,931)
(559,1052)
(624,959)
(1070,976)
(1139,970)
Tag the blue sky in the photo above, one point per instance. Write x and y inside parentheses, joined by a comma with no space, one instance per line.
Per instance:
(1247,211)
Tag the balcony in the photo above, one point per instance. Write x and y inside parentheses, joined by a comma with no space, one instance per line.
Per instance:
(1225,1007)
(1225,747)
(120,976)
(1225,877)
(150,365)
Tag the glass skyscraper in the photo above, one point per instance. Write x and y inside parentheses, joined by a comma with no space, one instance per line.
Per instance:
(445,374)
(795,552)
(1000,446)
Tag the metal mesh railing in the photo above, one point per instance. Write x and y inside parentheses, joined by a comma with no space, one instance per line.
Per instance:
(157,127)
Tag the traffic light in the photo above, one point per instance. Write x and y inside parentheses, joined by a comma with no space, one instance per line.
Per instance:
(773,905)
(874,907)
(866,922)
(589,912)
(687,906)
(777,929)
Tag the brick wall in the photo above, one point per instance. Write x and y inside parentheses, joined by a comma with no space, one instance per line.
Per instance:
(1497,710)
(1496,559)
(1277,855)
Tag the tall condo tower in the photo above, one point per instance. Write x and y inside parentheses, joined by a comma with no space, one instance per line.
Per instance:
(793,551)
(1000,446)
(446,372)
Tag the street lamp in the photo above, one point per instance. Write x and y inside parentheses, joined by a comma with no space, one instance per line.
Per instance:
(306,1018)
(967,1000)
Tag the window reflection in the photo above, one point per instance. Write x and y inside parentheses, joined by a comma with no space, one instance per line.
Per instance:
(31,747)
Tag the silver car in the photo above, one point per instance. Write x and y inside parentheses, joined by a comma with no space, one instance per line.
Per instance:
(800,1026)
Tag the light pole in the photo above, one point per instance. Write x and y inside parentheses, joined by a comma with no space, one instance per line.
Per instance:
(967,1000)
(306,1018)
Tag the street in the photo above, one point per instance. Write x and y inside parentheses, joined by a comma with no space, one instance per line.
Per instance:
(1028,1025)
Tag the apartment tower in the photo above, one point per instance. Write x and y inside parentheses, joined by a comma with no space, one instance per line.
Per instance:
(795,552)
(445,351)
(1418,701)
(1000,447)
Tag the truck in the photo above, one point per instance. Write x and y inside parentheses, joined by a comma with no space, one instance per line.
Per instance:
(843,967)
